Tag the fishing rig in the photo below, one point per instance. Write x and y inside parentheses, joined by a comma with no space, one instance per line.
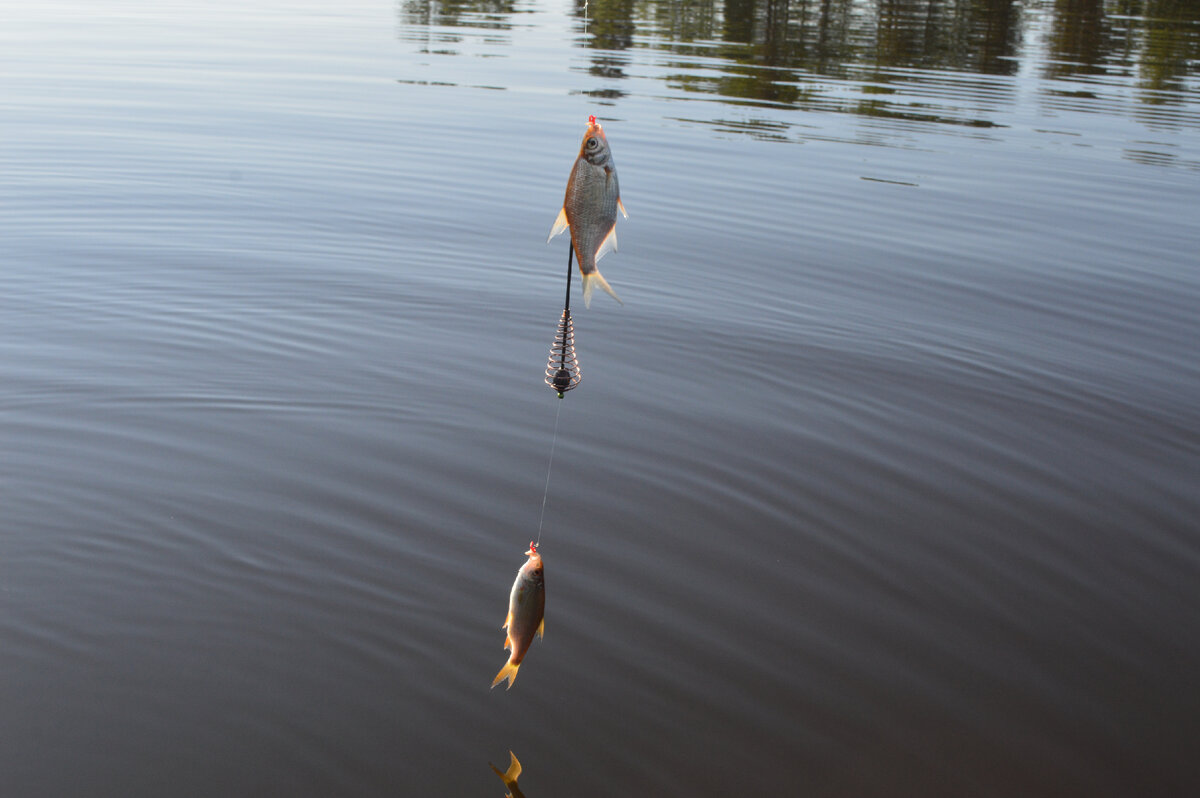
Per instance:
(562,368)
(562,374)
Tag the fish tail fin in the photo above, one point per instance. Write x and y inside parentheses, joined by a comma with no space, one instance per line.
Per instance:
(510,776)
(509,671)
(589,284)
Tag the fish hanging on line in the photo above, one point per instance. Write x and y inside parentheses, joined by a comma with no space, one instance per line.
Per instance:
(526,611)
(590,209)
(510,776)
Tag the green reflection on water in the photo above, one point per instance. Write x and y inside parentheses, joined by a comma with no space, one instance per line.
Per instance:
(458,13)
(907,59)
(828,36)
(1172,42)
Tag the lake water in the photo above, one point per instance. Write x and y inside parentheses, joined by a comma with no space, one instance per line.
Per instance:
(882,482)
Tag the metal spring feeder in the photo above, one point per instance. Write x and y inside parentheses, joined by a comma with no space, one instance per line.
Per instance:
(562,368)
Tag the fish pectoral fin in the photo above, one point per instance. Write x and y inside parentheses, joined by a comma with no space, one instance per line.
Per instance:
(542,628)
(621,208)
(560,224)
(609,244)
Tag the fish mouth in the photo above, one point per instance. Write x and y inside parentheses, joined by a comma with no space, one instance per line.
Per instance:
(597,154)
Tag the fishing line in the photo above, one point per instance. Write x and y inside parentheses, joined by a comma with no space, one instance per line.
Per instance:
(546,492)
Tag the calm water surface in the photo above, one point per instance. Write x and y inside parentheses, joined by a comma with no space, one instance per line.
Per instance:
(883,481)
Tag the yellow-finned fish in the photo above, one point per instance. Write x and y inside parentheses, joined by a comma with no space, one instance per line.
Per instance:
(526,610)
(510,776)
(590,208)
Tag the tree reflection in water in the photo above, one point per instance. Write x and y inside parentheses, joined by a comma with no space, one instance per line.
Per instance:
(781,53)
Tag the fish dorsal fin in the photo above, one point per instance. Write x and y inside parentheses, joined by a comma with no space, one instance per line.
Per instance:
(560,224)
(609,244)
(621,207)
(542,628)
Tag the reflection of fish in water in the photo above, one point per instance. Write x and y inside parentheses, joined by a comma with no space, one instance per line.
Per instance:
(526,608)
(509,777)
(590,208)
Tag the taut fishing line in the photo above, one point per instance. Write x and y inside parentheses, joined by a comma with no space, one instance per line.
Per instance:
(546,492)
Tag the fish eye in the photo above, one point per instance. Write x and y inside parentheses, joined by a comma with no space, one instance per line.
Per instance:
(592,143)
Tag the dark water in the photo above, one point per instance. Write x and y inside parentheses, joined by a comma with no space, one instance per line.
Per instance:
(882,482)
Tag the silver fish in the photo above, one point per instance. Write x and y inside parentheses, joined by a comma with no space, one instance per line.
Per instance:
(526,611)
(590,208)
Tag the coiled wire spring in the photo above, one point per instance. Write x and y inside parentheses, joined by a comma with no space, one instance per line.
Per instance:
(562,368)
